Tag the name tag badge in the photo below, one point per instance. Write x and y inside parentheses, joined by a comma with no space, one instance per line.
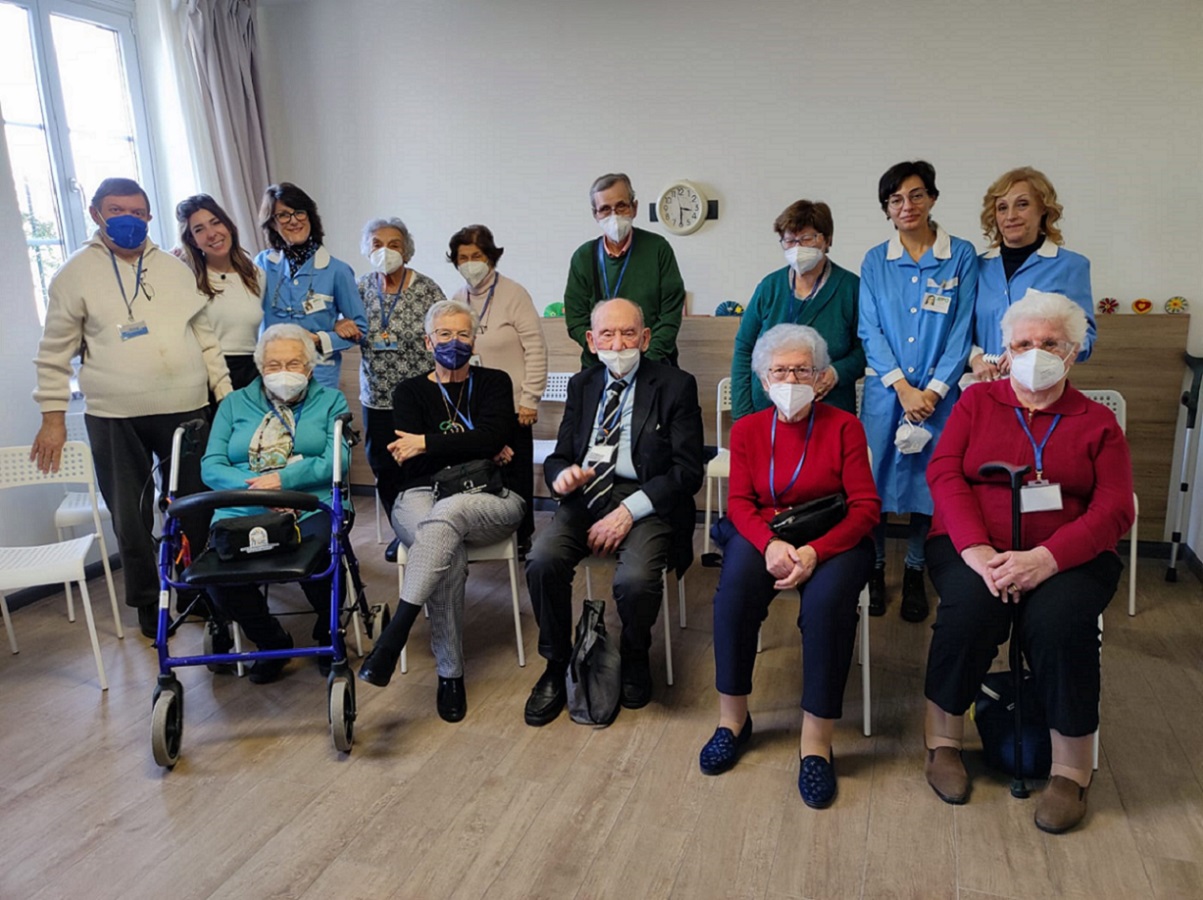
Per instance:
(600,453)
(475,360)
(315,303)
(937,303)
(379,345)
(1040,496)
(131,330)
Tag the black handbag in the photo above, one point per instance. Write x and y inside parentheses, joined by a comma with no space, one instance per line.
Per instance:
(480,476)
(241,537)
(594,677)
(994,714)
(807,521)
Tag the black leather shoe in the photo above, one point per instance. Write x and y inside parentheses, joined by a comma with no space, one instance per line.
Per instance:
(268,670)
(390,552)
(914,595)
(547,697)
(379,666)
(877,591)
(148,621)
(452,702)
(636,682)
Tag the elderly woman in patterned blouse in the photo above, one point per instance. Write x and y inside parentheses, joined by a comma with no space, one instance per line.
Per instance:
(396,299)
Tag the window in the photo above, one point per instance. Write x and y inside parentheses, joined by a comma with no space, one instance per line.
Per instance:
(73,115)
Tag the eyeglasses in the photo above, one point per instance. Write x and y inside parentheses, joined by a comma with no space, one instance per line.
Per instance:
(811,239)
(293,365)
(443,335)
(800,373)
(606,335)
(1050,346)
(914,198)
(283,218)
(621,208)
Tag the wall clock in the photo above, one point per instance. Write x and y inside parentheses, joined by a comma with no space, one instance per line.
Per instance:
(682,207)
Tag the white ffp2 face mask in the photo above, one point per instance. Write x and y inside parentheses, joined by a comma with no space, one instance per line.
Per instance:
(616,227)
(386,260)
(286,386)
(619,362)
(803,259)
(1037,370)
(474,272)
(911,437)
(791,399)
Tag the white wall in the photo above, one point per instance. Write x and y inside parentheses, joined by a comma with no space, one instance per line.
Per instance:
(447,112)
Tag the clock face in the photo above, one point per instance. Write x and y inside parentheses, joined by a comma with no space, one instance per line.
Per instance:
(682,208)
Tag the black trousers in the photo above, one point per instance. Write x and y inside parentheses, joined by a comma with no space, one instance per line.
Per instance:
(126,452)
(379,433)
(551,565)
(1059,636)
(246,605)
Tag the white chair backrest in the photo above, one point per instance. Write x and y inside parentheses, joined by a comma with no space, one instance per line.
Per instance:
(1115,402)
(556,390)
(722,404)
(16,469)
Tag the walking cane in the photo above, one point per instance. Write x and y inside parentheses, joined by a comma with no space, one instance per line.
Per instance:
(1019,788)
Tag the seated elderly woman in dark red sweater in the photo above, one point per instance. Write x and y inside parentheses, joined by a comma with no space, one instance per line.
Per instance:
(781,457)
(1071,523)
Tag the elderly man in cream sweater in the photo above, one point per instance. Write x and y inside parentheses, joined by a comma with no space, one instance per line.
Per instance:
(148,357)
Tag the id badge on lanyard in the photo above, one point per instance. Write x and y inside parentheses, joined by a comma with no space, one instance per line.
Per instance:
(1039,495)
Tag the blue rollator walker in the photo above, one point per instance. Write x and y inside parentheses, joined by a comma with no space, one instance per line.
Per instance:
(294,565)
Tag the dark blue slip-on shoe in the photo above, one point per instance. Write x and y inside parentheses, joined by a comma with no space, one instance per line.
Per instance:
(816,782)
(723,750)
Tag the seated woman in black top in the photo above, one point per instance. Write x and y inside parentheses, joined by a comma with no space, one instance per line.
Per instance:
(455,414)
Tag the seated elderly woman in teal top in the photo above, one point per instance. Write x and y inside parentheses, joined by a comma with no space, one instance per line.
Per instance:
(809,290)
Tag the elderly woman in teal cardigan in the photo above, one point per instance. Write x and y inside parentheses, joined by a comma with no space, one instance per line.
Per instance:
(809,290)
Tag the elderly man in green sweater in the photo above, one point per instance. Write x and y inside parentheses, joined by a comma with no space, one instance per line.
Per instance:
(624,262)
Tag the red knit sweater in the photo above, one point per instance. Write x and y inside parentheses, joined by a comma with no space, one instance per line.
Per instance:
(1086,454)
(837,460)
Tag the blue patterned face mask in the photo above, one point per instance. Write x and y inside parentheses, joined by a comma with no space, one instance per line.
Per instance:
(127,232)
(452,354)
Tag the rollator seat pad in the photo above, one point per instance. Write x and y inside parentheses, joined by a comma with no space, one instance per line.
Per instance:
(289,565)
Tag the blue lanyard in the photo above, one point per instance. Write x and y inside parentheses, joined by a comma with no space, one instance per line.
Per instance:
(601,431)
(287,276)
(810,425)
(296,417)
(1039,450)
(601,265)
(463,414)
(386,317)
(819,283)
(129,304)
(484,310)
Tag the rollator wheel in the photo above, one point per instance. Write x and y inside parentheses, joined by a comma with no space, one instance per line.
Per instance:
(167,726)
(342,714)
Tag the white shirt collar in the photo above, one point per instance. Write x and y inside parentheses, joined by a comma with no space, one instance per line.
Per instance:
(321,257)
(941,249)
(1048,250)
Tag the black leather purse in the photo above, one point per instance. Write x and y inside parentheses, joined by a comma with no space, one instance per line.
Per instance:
(807,521)
(480,476)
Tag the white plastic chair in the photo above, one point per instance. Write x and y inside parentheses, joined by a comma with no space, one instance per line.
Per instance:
(1115,402)
(22,567)
(719,468)
(81,508)
(556,391)
(589,562)
(502,550)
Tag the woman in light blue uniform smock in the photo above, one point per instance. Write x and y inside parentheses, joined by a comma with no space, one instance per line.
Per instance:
(306,286)
(1019,217)
(917,292)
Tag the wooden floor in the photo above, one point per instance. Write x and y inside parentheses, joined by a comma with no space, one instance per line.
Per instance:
(261,805)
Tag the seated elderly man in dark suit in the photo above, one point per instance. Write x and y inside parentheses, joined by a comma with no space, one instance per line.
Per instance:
(627,463)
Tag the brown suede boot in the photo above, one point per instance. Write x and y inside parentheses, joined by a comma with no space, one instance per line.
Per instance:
(946,774)
(1062,805)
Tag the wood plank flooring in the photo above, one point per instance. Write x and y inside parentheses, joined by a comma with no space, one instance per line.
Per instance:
(261,805)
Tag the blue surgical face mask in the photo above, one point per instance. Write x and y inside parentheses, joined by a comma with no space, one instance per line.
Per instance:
(452,354)
(127,232)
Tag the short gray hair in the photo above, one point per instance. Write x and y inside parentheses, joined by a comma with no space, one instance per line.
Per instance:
(374,225)
(1041,306)
(285,331)
(450,308)
(605,182)
(597,308)
(781,338)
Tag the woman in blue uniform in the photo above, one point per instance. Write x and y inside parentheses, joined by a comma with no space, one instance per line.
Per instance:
(306,286)
(1019,217)
(917,293)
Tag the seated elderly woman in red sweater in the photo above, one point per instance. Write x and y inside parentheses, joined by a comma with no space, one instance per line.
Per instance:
(795,452)
(1071,523)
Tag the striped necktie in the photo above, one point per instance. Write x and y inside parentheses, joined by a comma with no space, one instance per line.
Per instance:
(598,490)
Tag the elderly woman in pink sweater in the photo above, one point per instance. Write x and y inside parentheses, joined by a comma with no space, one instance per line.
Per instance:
(511,339)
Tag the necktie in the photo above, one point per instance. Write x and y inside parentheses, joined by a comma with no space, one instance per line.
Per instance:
(598,490)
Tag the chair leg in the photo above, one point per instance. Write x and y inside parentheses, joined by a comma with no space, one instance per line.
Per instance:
(864,660)
(8,624)
(400,589)
(719,498)
(108,578)
(67,584)
(1095,751)
(379,528)
(706,521)
(1131,569)
(668,631)
(513,564)
(239,667)
(83,595)
(759,639)
(681,599)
